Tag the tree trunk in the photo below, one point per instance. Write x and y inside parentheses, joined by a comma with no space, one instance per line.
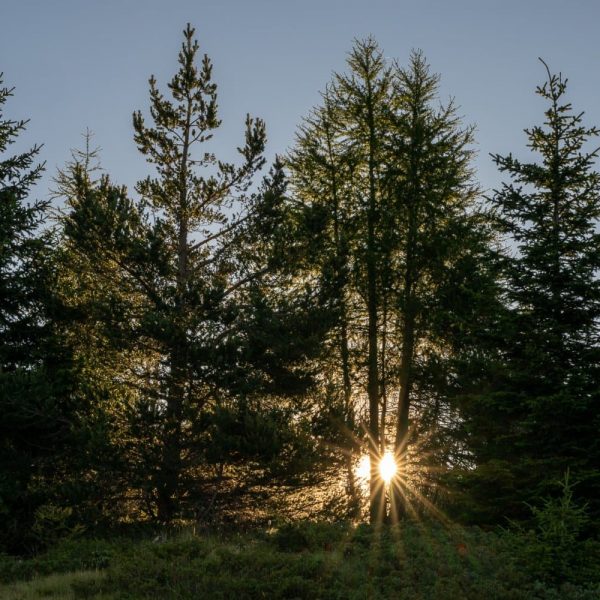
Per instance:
(169,477)
(398,501)
(341,279)
(402,423)
(377,498)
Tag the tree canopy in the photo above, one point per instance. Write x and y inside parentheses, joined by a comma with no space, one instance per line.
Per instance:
(230,341)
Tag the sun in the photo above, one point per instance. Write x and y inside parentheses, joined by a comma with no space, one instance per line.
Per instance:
(387,467)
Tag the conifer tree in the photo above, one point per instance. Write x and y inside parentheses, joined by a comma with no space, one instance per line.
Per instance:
(322,176)
(389,174)
(35,369)
(361,97)
(20,246)
(19,325)
(542,416)
(192,292)
(190,204)
(84,168)
(346,162)
(436,226)
(91,297)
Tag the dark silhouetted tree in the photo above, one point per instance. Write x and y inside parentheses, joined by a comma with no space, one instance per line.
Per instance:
(36,372)
(542,414)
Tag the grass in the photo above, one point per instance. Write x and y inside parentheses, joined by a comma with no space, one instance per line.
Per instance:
(62,586)
(305,560)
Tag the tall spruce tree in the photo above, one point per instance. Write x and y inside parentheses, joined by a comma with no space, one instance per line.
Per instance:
(93,304)
(20,330)
(542,414)
(36,399)
(20,245)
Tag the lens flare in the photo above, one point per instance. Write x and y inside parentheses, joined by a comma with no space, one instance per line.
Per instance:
(387,467)
(363,470)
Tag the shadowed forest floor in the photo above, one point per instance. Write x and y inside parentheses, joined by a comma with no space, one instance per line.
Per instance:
(307,560)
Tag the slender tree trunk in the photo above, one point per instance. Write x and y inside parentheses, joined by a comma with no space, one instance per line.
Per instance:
(407,357)
(383,384)
(169,477)
(377,497)
(348,416)
(406,364)
(341,259)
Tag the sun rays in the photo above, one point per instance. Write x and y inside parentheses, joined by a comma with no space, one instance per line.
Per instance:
(408,481)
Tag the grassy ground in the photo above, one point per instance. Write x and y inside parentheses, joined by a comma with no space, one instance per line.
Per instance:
(66,586)
(412,561)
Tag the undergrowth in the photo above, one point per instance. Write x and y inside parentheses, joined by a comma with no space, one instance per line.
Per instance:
(310,560)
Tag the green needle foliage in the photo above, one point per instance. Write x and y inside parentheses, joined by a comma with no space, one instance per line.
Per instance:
(20,246)
(542,417)
(36,389)
(187,291)
(385,178)
(199,271)
(214,347)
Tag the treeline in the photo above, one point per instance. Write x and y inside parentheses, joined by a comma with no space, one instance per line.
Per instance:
(215,346)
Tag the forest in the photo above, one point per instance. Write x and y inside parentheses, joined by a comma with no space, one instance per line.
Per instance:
(301,367)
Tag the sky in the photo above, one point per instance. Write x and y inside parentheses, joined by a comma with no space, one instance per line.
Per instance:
(78,64)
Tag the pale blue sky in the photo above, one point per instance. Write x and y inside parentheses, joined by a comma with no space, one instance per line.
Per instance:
(85,63)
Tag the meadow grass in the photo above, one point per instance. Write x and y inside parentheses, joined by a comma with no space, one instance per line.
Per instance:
(303,561)
(60,586)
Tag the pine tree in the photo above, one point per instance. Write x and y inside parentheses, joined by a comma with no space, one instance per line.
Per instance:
(190,204)
(192,290)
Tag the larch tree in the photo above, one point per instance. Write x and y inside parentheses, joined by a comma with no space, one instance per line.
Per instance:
(390,173)
(435,225)
(361,98)
(322,172)
(336,170)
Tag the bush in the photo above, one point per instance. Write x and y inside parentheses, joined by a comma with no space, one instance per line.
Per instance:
(52,524)
(553,549)
(307,535)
